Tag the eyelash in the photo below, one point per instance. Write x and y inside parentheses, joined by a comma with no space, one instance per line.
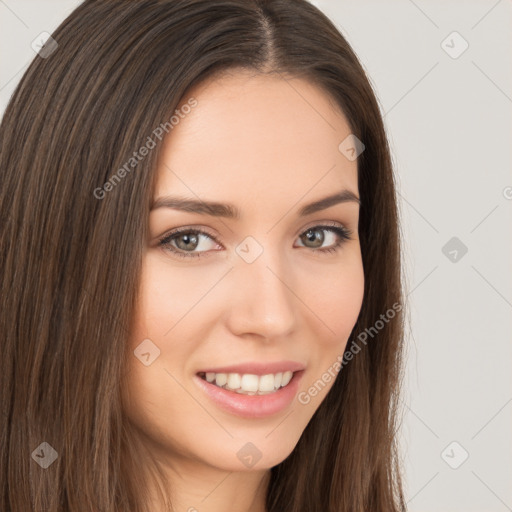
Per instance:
(165,241)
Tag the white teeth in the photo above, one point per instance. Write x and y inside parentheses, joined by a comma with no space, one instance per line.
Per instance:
(287,377)
(266,383)
(221,379)
(234,380)
(249,384)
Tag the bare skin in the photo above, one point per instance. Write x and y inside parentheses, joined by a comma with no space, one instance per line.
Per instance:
(268,146)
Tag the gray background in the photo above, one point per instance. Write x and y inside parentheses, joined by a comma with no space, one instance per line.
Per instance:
(449,123)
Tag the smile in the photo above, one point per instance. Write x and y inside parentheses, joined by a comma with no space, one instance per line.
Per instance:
(249,384)
(250,395)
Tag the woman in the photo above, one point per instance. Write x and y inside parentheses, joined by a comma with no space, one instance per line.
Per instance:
(201,289)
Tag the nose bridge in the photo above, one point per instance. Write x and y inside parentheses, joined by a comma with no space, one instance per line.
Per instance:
(263,303)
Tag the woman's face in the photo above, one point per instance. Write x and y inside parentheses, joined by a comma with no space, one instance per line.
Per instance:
(246,299)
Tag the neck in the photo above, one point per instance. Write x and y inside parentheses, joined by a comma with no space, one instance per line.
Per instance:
(196,487)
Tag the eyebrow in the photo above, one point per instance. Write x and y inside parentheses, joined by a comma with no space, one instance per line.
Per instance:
(230,211)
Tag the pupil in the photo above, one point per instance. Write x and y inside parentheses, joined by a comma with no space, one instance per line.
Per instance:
(189,239)
(315,236)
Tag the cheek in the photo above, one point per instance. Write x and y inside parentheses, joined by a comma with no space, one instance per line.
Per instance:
(167,295)
(161,303)
(336,307)
(153,394)
(338,299)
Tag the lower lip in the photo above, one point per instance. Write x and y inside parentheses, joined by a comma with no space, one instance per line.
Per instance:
(252,406)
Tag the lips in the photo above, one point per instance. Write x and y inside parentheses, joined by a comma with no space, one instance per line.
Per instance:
(254,406)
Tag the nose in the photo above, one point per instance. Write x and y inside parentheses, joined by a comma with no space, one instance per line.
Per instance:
(262,299)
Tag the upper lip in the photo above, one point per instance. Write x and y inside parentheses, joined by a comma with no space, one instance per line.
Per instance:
(255,368)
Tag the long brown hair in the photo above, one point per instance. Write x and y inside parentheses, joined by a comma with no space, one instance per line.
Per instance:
(71,260)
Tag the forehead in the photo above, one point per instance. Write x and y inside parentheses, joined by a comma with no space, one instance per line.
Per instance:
(265,138)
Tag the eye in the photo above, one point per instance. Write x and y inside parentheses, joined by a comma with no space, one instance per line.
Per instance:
(182,242)
(315,236)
